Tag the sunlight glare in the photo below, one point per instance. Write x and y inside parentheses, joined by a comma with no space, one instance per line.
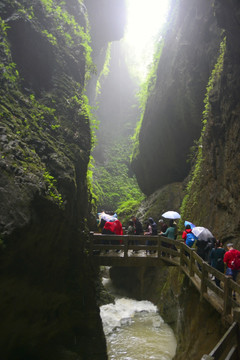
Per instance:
(145,18)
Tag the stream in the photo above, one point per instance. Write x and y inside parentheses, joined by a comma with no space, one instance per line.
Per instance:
(134,329)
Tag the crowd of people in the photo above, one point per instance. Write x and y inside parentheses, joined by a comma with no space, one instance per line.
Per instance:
(209,249)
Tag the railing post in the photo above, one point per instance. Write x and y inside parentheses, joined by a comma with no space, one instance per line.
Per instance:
(227,297)
(191,272)
(236,315)
(181,254)
(159,246)
(125,246)
(91,238)
(204,280)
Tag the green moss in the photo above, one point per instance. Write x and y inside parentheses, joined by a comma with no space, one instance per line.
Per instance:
(146,89)
(114,188)
(8,73)
(50,37)
(52,191)
(105,71)
(193,189)
(73,34)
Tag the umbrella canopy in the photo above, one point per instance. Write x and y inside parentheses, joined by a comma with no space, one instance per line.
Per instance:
(189,223)
(107,217)
(202,233)
(171,215)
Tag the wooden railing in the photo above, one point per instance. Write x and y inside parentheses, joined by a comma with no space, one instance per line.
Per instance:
(124,243)
(173,252)
(227,347)
(102,248)
(201,274)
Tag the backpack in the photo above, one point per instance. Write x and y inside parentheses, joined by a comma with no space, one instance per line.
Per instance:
(138,228)
(154,229)
(220,263)
(235,263)
(190,239)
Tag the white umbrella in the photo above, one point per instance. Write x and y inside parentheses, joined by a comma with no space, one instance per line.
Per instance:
(202,233)
(107,217)
(171,215)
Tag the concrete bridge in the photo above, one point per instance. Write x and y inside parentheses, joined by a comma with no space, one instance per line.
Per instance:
(137,250)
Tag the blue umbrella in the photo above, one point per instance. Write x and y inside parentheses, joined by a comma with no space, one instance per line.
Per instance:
(189,223)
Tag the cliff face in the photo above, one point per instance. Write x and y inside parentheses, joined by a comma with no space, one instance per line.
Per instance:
(216,188)
(107,18)
(188,70)
(172,118)
(48,300)
(168,197)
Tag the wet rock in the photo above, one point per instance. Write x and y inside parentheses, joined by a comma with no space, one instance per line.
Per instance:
(172,118)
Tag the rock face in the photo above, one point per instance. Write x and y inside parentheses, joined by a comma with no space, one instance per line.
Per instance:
(172,118)
(107,19)
(212,194)
(48,298)
(168,197)
(216,188)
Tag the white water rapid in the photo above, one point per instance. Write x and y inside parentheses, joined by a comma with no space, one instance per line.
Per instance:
(135,331)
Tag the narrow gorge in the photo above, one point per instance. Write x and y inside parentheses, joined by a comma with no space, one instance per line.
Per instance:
(75,138)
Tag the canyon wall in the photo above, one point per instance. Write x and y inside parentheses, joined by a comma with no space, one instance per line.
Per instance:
(48,297)
(192,114)
(172,118)
(216,174)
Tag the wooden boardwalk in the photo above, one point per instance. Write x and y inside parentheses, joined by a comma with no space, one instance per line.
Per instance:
(120,250)
(130,250)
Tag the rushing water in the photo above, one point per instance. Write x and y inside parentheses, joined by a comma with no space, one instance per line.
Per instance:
(135,331)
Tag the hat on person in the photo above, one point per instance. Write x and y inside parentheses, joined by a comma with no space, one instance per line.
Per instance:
(229,244)
(161,220)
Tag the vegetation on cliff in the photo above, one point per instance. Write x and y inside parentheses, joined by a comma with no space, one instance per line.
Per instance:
(171,120)
(30,116)
(114,185)
(194,186)
(47,285)
(146,89)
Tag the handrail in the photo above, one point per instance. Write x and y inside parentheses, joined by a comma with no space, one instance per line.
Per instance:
(198,271)
(123,242)
(227,347)
(177,253)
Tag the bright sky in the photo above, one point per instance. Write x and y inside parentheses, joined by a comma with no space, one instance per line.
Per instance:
(144,20)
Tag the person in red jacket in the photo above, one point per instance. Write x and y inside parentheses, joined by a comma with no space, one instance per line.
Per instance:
(185,232)
(229,258)
(113,227)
